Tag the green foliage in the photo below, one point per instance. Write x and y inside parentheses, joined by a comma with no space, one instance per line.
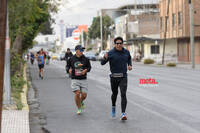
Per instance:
(17,84)
(148,61)
(88,49)
(17,80)
(84,37)
(16,63)
(27,17)
(46,28)
(171,64)
(94,30)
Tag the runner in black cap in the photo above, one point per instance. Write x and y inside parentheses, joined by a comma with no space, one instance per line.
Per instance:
(78,66)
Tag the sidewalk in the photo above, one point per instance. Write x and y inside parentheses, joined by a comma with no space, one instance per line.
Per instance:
(188,66)
(17,121)
(181,66)
(14,121)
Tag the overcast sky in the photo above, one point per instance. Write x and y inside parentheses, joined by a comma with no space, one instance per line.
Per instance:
(82,11)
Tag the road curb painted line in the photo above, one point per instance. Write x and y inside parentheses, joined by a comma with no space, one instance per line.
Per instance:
(25,92)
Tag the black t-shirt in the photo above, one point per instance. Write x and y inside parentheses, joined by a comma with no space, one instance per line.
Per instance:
(68,55)
(74,63)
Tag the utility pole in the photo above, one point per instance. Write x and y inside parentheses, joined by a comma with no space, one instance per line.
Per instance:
(3,15)
(7,87)
(101,29)
(165,32)
(192,33)
(82,38)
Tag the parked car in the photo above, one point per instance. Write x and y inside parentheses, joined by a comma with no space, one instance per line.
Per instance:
(90,56)
(55,56)
(101,54)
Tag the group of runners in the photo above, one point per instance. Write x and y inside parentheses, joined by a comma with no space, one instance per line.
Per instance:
(42,57)
(119,60)
(78,66)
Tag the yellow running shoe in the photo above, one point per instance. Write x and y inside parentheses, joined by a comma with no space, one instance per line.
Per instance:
(79,111)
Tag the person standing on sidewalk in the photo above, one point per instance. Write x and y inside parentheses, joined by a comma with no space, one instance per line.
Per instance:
(78,66)
(119,59)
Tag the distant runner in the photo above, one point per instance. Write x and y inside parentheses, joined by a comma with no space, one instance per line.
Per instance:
(48,59)
(119,58)
(32,58)
(44,53)
(79,65)
(68,55)
(41,63)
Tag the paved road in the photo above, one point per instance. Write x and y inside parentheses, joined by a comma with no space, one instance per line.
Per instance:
(170,107)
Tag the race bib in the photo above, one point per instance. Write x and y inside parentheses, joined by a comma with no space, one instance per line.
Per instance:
(78,72)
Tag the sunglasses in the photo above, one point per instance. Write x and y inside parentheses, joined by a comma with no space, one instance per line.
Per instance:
(119,43)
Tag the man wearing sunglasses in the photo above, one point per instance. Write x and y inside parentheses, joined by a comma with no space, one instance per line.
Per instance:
(120,60)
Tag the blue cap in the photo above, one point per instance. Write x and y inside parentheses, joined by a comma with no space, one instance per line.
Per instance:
(79,47)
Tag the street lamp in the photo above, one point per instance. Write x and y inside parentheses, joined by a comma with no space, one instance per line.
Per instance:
(101,23)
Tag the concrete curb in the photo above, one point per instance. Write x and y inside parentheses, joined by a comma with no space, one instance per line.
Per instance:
(25,92)
(178,66)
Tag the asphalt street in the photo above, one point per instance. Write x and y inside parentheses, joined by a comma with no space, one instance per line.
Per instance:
(172,106)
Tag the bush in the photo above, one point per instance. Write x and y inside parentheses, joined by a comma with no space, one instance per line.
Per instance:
(17,84)
(17,79)
(171,64)
(17,63)
(148,61)
(88,49)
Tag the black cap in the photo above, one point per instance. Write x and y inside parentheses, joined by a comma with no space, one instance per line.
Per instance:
(79,47)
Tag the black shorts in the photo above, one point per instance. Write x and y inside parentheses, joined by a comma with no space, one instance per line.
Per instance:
(41,66)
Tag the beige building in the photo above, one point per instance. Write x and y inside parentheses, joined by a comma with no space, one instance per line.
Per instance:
(178,27)
(146,43)
(140,27)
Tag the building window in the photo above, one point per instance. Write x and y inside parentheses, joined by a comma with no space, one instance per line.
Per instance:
(173,20)
(153,6)
(139,6)
(155,49)
(161,23)
(167,22)
(179,19)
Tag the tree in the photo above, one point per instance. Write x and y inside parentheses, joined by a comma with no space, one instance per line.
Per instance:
(85,34)
(27,17)
(47,29)
(94,30)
